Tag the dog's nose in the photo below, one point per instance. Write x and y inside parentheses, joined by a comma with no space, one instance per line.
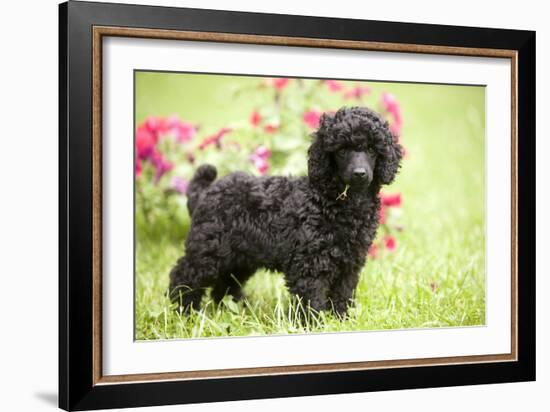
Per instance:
(359,172)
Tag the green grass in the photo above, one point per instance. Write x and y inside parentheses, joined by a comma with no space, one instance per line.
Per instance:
(436,276)
(402,290)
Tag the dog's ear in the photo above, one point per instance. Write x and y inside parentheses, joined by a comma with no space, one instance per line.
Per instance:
(318,159)
(390,153)
(325,124)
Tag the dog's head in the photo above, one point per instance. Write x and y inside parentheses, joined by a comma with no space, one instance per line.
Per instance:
(354,148)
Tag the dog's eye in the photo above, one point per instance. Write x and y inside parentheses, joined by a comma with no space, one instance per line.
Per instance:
(341,152)
(371,150)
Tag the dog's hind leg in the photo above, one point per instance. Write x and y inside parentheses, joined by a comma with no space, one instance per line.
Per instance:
(231,284)
(226,285)
(188,282)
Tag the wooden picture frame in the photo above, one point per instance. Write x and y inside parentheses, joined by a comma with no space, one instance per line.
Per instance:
(82,28)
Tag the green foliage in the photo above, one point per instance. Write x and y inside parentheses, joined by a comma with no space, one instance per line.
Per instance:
(405,289)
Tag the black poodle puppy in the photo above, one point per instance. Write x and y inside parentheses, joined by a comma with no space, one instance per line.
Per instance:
(315,229)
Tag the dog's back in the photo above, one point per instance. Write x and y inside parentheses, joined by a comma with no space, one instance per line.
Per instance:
(256,214)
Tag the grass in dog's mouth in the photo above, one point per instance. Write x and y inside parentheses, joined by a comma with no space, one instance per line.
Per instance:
(344,194)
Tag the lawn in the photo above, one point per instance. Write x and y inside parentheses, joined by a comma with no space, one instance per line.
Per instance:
(435,277)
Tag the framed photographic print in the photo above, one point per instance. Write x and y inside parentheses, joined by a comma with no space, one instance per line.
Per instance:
(256,205)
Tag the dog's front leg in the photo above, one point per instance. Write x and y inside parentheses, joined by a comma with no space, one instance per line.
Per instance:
(341,292)
(312,289)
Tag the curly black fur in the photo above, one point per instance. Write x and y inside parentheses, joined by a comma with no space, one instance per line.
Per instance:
(301,226)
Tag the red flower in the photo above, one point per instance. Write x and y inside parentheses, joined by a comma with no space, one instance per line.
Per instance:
(391,200)
(271,128)
(390,243)
(154,125)
(280,83)
(145,142)
(147,136)
(334,85)
(312,118)
(215,138)
(357,92)
(148,133)
(255,118)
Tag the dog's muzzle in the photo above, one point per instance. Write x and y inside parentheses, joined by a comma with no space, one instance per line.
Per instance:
(361,176)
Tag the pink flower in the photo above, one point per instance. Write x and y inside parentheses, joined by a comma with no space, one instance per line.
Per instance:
(357,92)
(145,142)
(255,118)
(382,215)
(215,138)
(154,125)
(390,243)
(280,83)
(262,165)
(312,118)
(395,129)
(389,102)
(271,128)
(179,184)
(260,159)
(392,107)
(183,131)
(149,132)
(391,200)
(263,152)
(147,137)
(161,165)
(373,249)
(334,85)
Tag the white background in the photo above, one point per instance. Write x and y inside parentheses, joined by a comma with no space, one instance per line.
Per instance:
(28,218)
(122,355)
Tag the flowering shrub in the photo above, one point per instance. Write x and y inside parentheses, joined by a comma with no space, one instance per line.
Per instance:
(272,139)
(388,215)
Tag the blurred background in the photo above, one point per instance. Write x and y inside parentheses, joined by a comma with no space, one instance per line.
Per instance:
(426,268)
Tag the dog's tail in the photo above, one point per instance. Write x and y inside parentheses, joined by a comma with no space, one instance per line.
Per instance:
(202,178)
